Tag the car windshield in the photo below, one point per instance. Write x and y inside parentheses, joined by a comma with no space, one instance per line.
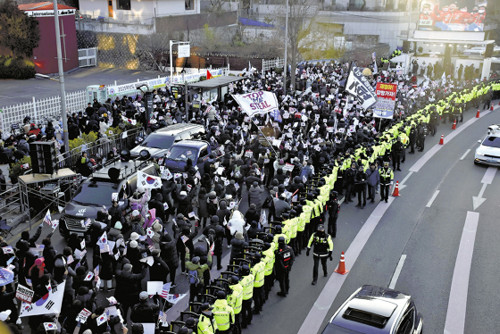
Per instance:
(491,141)
(182,153)
(97,194)
(156,140)
(335,329)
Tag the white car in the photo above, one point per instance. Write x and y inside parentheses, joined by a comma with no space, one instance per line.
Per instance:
(488,152)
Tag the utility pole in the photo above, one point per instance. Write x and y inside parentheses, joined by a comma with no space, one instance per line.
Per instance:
(61,79)
(286,50)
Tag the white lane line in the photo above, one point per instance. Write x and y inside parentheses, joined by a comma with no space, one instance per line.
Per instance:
(457,303)
(406,178)
(432,199)
(465,154)
(430,153)
(318,312)
(489,175)
(399,267)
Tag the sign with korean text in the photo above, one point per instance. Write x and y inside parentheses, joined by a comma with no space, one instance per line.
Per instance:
(386,100)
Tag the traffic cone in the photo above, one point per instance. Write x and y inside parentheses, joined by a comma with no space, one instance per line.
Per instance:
(491,108)
(441,141)
(454,126)
(341,268)
(396,190)
(478,113)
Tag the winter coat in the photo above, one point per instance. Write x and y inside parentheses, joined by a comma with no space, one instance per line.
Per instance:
(255,197)
(169,252)
(159,270)
(202,206)
(373,177)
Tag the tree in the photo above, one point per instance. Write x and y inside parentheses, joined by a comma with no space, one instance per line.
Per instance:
(18,32)
(300,12)
(320,40)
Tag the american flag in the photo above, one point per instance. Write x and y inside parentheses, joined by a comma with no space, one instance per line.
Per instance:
(47,219)
(165,290)
(162,318)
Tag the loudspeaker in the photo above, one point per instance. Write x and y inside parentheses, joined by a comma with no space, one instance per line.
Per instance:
(43,157)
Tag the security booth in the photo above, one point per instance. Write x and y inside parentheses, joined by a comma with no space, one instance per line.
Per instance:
(210,90)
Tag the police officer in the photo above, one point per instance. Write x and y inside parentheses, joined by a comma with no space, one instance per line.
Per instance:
(223,313)
(323,248)
(397,150)
(257,270)
(247,284)
(284,258)
(206,321)
(333,213)
(413,138)
(386,176)
(235,300)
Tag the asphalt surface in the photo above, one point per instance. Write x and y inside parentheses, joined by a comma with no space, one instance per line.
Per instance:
(428,236)
(13,92)
(425,227)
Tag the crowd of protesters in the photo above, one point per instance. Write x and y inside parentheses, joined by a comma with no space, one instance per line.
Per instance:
(328,146)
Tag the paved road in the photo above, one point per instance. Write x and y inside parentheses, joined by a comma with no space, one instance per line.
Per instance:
(18,91)
(425,227)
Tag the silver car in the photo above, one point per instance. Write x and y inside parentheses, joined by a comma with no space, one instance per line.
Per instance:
(373,309)
(488,152)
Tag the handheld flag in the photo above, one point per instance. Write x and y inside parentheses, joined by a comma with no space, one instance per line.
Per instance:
(50,326)
(47,219)
(101,319)
(165,290)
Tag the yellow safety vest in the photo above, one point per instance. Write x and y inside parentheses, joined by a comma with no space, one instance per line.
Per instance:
(223,314)
(247,284)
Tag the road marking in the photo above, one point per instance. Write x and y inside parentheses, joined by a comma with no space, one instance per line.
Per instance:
(319,310)
(432,199)
(465,154)
(397,272)
(457,303)
(489,175)
(429,154)
(406,177)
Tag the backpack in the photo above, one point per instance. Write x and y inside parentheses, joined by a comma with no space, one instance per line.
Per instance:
(193,277)
(285,256)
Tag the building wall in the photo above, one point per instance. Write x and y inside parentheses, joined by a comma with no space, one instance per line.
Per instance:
(141,11)
(45,55)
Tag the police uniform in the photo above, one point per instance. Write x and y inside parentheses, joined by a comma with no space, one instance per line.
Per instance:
(386,176)
(322,250)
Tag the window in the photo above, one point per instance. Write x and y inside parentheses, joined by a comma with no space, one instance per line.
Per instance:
(124,4)
(406,325)
(189,4)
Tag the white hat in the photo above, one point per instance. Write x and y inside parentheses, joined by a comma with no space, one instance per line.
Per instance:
(4,315)
(183,193)
(134,236)
(118,225)
(133,244)
(135,213)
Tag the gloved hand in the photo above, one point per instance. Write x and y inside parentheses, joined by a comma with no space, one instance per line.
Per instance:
(307,252)
(330,256)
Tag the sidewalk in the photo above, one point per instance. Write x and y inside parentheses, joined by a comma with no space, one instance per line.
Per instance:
(13,92)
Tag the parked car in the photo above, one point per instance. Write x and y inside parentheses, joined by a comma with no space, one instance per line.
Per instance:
(197,150)
(158,142)
(373,309)
(488,152)
(96,192)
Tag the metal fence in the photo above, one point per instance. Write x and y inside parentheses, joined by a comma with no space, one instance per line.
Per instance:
(41,109)
(102,147)
(268,64)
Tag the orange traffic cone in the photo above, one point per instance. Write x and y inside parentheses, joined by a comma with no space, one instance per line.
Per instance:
(454,126)
(478,113)
(341,268)
(491,108)
(396,190)
(441,141)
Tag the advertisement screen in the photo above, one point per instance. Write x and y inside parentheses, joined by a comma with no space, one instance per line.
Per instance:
(447,15)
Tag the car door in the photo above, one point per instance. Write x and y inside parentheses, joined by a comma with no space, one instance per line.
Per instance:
(407,321)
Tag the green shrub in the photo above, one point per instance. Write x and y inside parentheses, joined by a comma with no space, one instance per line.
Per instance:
(16,68)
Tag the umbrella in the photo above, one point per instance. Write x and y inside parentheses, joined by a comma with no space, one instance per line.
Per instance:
(6,276)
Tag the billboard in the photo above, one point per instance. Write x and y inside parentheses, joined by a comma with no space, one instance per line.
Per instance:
(448,15)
